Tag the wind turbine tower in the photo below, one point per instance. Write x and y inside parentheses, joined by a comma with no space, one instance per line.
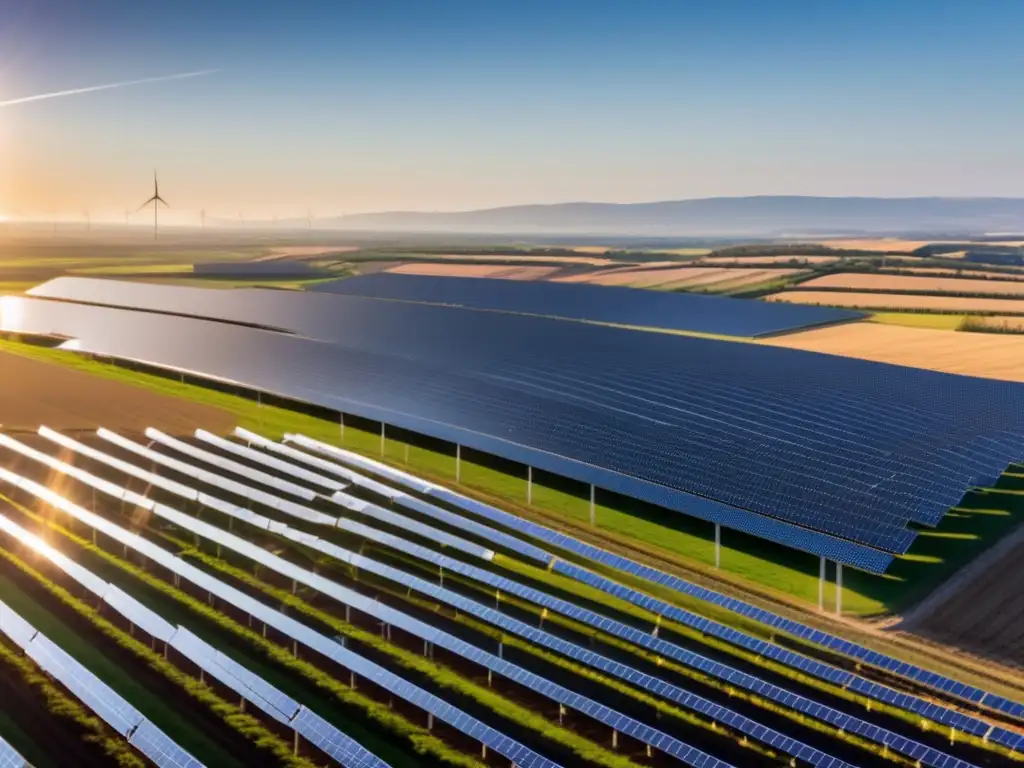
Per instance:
(156,200)
(202,218)
(309,219)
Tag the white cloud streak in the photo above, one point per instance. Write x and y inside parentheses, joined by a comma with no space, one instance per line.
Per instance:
(105,87)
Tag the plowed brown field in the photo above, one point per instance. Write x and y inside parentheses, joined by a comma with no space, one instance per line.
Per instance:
(475,270)
(33,392)
(986,617)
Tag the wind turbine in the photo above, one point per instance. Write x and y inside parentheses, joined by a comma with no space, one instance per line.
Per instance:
(202,218)
(155,200)
(309,219)
(88,220)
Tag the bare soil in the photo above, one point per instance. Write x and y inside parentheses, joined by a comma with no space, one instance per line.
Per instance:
(33,393)
(986,617)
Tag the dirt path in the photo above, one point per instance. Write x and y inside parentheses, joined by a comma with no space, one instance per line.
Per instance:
(34,392)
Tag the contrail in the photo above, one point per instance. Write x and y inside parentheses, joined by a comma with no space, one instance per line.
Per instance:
(106,87)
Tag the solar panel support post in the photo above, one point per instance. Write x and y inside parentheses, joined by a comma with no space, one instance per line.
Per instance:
(821,584)
(295,743)
(718,545)
(839,588)
(341,426)
(382,438)
(458,462)
(592,515)
(529,486)
(615,739)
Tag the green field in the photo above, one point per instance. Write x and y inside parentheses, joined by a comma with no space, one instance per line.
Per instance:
(920,320)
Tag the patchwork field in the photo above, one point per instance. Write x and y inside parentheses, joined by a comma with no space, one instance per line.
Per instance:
(502,271)
(755,260)
(990,355)
(867,282)
(956,304)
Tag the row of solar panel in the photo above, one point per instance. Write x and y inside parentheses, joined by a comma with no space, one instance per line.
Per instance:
(930,710)
(607,304)
(249,686)
(913,749)
(436,328)
(441,710)
(595,554)
(561,695)
(10,757)
(102,700)
(644,640)
(932,757)
(581,429)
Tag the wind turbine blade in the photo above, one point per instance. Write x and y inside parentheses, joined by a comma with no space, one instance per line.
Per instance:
(159,199)
(146,203)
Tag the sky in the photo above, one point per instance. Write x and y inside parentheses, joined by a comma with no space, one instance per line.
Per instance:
(351,106)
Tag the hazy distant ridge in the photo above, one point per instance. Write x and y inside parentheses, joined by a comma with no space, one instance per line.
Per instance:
(765,215)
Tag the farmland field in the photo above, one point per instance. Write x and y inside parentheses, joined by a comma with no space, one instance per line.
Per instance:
(992,355)
(638,277)
(941,271)
(743,261)
(956,304)
(474,270)
(863,282)
(943,322)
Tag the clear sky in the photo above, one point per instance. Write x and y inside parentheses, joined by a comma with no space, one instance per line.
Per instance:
(363,105)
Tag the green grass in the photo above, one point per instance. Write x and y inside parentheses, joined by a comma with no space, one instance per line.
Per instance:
(919,320)
(746,561)
(18,739)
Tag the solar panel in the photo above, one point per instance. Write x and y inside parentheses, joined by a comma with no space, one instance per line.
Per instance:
(253,475)
(322,482)
(498,538)
(660,607)
(9,757)
(158,747)
(282,505)
(357,505)
(535,682)
(461,721)
(688,424)
(210,478)
(577,301)
(138,614)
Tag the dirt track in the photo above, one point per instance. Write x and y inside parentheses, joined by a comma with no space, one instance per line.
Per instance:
(34,392)
(986,617)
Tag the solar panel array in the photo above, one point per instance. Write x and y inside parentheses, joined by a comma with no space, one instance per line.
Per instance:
(831,455)
(274,502)
(597,303)
(926,755)
(558,693)
(458,719)
(248,685)
(102,700)
(810,634)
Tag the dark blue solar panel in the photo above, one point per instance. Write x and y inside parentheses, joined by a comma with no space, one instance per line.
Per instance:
(812,667)
(790,435)
(606,304)
(572,441)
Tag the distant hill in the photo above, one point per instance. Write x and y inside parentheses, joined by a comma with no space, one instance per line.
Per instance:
(774,216)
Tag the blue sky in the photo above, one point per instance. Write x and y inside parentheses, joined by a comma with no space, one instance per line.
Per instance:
(349,106)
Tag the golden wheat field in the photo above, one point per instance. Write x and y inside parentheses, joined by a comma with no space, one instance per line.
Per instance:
(736,277)
(899,301)
(994,356)
(865,282)
(635,276)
